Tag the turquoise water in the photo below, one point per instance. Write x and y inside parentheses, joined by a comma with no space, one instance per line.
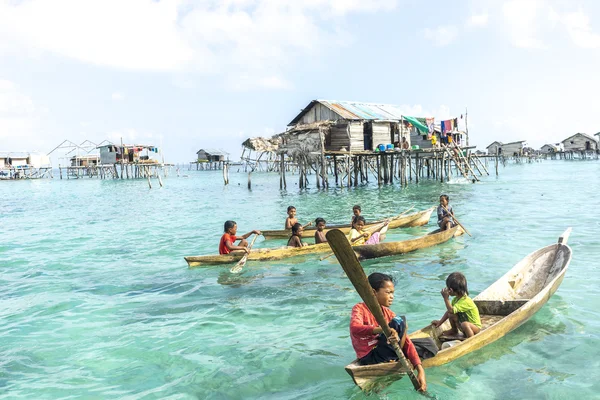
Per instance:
(96,300)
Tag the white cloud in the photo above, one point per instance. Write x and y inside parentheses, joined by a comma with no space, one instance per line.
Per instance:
(222,37)
(133,136)
(520,19)
(578,26)
(18,113)
(134,34)
(118,96)
(442,35)
(478,20)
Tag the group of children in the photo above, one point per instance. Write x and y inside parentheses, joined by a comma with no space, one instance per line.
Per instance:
(371,345)
(357,233)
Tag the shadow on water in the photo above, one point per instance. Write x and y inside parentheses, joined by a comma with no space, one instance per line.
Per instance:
(227,278)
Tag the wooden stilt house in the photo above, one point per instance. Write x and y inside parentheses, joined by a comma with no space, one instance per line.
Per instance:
(580,142)
(350,126)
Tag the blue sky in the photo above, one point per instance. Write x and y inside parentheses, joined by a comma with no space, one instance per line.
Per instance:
(185,74)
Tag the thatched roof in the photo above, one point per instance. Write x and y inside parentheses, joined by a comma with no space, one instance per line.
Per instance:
(262,144)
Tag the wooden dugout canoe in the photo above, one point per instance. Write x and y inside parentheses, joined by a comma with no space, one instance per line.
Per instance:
(402,221)
(367,251)
(503,306)
(385,249)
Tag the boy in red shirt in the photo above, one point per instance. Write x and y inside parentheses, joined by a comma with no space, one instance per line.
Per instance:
(227,244)
(369,342)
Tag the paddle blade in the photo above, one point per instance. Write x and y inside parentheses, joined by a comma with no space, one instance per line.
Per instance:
(240,264)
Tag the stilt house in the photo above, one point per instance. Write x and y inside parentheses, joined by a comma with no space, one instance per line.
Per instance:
(507,149)
(551,148)
(212,155)
(326,125)
(580,142)
(85,161)
(128,153)
(494,148)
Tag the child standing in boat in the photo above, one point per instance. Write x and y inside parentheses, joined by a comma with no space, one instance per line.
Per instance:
(369,342)
(462,311)
(291,218)
(356,211)
(359,236)
(227,243)
(320,233)
(445,220)
(296,238)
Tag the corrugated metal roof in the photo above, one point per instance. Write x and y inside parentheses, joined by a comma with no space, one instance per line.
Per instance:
(214,152)
(356,110)
(582,134)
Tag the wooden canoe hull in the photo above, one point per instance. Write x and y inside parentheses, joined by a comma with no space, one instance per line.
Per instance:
(382,249)
(416,219)
(386,249)
(257,255)
(519,294)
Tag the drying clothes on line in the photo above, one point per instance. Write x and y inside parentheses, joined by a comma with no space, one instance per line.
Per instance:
(447,125)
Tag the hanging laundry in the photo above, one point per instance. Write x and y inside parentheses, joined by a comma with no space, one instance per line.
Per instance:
(447,126)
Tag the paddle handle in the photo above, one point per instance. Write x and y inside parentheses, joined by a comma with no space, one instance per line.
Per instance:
(402,213)
(457,221)
(349,262)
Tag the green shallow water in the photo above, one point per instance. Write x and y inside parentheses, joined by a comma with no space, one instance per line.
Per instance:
(96,300)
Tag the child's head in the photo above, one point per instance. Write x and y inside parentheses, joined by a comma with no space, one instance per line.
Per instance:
(359,223)
(444,200)
(457,284)
(320,224)
(230,227)
(356,210)
(383,287)
(291,210)
(297,229)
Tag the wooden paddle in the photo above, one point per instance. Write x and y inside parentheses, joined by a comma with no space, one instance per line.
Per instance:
(454,218)
(401,214)
(349,262)
(240,264)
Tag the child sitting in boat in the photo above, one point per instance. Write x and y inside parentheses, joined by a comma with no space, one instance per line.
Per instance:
(462,312)
(360,236)
(291,218)
(320,233)
(227,244)
(368,340)
(445,220)
(296,238)
(356,211)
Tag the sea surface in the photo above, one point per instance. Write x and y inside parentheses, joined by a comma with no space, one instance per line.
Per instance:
(97,302)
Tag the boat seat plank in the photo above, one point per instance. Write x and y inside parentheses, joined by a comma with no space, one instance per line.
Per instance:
(489,320)
(499,307)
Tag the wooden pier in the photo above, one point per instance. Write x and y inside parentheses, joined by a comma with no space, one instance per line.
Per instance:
(120,170)
(343,168)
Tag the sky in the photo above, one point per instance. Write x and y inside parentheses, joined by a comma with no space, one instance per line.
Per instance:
(189,74)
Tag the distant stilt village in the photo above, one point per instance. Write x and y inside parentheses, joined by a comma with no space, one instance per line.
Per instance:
(350,143)
(338,143)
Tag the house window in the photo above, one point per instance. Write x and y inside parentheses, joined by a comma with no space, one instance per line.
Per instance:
(572,142)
